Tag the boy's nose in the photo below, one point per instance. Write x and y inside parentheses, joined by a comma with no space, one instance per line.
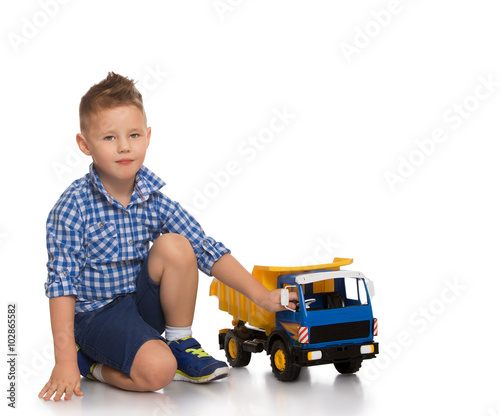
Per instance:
(123,146)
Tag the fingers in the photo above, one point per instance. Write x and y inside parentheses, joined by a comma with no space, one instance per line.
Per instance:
(50,392)
(68,393)
(273,302)
(294,296)
(59,393)
(51,389)
(78,392)
(44,390)
(54,391)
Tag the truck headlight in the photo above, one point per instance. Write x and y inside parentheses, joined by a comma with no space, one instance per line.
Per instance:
(314,355)
(367,349)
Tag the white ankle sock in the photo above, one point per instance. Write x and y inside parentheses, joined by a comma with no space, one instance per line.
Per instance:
(97,372)
(175,333)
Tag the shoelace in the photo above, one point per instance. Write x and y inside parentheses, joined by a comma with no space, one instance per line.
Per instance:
(199,352)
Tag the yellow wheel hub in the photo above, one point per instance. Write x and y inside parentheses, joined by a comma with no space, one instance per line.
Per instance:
(233,348)
(280,360)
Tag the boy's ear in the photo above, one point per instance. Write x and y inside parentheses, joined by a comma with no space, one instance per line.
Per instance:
(149,135)
(82,144)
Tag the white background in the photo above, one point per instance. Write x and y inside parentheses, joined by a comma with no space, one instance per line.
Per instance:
(362,83)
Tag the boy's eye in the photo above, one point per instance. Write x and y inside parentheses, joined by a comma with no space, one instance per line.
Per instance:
(134,135)
(109,138)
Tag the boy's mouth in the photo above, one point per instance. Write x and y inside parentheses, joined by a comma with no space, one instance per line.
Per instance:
(124,161)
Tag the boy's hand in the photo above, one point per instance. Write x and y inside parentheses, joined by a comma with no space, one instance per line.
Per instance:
(65,379)
(273,302)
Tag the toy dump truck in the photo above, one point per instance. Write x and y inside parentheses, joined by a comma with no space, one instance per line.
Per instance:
(332,323)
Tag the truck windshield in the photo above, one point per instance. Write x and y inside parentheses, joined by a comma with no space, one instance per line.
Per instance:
(335,293)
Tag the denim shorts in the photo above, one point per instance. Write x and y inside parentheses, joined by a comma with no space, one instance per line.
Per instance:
(113,334)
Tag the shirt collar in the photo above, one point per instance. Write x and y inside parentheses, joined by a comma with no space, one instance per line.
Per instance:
(146,183)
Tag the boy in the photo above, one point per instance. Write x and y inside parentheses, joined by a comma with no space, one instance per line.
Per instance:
(111,295)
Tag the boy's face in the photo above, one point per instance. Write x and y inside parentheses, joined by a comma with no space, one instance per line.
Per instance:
(117,140)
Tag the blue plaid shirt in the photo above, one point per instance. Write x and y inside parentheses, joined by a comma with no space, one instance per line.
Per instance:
(96,246)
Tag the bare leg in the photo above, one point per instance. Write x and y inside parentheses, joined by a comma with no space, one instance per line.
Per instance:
(172,264)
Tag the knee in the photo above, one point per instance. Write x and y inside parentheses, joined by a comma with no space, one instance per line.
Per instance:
(157,373)
(173,248)
(160,375)
(154,366)
(170,251)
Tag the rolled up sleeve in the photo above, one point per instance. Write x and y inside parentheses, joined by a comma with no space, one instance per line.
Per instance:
(64,244)
(178,220)
(210,252)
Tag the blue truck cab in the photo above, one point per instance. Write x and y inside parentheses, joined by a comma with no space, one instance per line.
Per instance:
(333,323)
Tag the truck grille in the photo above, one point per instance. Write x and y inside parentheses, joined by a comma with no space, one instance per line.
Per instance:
(339,332)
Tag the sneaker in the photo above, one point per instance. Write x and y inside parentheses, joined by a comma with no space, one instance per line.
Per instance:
(85,364)
(194,364)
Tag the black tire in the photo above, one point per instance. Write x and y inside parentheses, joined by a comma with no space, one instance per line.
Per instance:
(281,362)
(348,367)
(233,348)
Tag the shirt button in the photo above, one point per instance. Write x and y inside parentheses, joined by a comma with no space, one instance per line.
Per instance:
(205,244)
(130,242)
(64,273)
(101,225)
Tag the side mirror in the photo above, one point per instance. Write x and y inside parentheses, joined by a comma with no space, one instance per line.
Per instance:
(285,300)
(285,297)
(371,287)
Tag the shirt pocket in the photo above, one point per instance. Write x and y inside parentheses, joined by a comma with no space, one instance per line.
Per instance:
(142,237)
(102,241)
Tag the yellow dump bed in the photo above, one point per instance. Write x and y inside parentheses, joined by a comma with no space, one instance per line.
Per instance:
(242,309)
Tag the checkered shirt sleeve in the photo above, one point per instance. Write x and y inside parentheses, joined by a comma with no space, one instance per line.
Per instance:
(64,247)
(178,220)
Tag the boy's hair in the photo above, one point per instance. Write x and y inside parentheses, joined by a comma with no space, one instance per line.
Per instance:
(113,91)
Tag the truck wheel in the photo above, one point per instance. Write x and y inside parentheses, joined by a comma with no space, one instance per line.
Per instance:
(348,367)
(233,348)
(281,362)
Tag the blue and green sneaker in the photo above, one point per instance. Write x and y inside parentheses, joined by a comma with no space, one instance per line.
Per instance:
(194,364)
(85,364)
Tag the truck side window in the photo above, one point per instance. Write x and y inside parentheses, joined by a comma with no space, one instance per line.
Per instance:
(351,289)
(363,298)
(355,292)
